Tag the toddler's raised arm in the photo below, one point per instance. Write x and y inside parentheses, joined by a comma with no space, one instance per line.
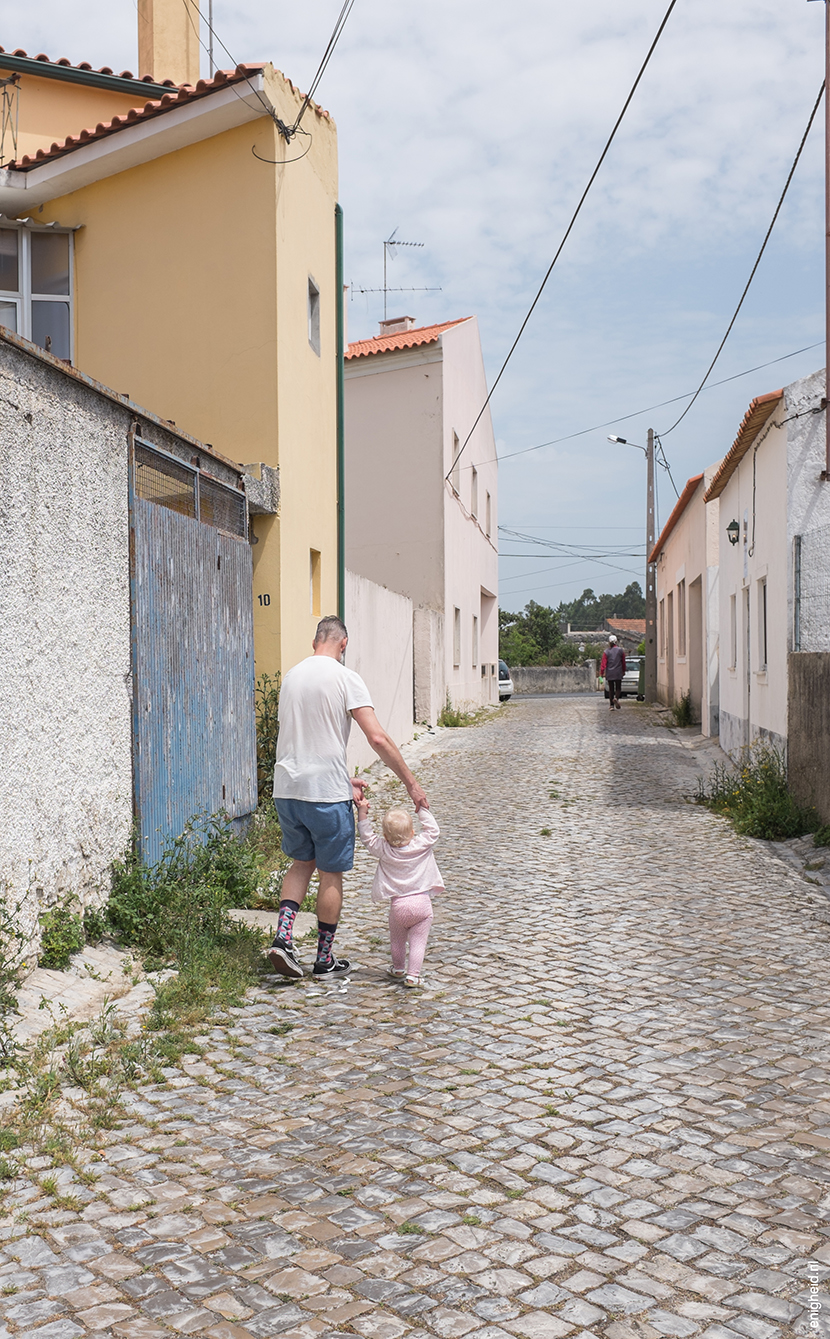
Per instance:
(368,836)
(430,831)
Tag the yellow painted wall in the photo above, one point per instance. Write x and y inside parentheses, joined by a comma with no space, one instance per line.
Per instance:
(51,109)
(191,291)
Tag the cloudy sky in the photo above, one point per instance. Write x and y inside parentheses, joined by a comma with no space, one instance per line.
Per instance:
(472,127)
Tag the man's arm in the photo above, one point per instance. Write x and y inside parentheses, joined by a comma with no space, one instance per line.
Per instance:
(389,753)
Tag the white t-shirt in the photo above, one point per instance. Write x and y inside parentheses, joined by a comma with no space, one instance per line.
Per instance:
(315,701)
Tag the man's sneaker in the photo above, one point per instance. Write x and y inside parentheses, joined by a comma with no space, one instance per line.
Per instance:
(284,959)
(333,964)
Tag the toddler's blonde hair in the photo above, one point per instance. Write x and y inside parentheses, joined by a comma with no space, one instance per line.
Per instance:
(397,827)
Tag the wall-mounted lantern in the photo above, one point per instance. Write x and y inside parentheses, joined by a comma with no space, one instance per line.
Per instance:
(733,530)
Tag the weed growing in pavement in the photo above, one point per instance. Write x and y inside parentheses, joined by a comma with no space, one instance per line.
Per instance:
(454,717)
(471,1220)
(61,934)
(681,710)
(12,966)
(756,798)
(822,836)
(546,832)
(405,1229)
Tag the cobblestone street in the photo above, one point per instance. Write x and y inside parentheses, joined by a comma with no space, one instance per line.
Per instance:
(607,1114)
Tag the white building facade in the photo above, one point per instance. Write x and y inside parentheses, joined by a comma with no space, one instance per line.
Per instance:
(418,520)
(774,540)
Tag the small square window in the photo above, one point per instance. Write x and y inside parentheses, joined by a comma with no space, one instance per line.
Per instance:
(313,315)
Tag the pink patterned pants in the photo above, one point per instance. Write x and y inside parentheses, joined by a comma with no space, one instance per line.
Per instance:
(409,920)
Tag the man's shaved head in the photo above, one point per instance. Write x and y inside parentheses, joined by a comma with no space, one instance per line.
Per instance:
(330,629)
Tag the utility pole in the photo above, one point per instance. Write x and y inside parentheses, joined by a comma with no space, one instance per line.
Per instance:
(651,586)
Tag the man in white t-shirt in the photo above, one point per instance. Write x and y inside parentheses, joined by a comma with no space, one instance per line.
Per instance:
(313,791)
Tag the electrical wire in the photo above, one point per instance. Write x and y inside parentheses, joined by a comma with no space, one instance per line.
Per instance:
(568,231)
(342,18)
(623,418)
(782,197)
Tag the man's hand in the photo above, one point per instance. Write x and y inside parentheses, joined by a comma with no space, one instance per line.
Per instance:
(418,796)
(358,787)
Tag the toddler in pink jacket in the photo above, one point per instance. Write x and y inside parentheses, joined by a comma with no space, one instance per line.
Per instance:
(406,877)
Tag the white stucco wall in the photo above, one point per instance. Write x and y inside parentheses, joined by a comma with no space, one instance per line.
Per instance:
(683,559)
(380,651)
(753,698)
(471,556)
(808,515)
(65,715)
(405,526)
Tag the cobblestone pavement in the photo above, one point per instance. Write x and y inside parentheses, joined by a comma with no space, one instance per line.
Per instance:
(607,1114)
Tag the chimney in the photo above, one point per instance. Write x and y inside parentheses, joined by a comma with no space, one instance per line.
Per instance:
(396,325)
(168,40)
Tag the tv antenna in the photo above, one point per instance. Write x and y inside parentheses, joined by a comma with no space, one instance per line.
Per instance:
(389,254)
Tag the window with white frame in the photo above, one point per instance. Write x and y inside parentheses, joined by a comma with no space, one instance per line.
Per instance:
(475,641)
(456,638)
(488,515)
(474,493)
(733,632)
(36,286)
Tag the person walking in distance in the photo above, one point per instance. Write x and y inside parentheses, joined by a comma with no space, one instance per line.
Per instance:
(612,669)
(314,793)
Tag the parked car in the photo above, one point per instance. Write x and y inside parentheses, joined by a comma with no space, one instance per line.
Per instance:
(505,682)
(631,685)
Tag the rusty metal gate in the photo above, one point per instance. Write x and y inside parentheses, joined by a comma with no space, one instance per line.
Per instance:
(194,731)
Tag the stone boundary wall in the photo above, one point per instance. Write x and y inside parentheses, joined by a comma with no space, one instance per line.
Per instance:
(555,678)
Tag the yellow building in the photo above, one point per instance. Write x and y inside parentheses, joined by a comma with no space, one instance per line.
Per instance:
(173,243)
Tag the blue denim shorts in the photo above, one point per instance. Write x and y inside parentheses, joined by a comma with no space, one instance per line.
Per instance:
(323,833)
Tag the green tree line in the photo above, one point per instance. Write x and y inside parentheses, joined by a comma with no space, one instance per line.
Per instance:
(534,636)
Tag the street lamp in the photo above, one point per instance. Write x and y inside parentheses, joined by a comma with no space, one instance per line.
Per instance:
(651,589)
(733,530)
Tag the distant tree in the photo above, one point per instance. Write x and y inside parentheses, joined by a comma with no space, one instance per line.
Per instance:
(588,611)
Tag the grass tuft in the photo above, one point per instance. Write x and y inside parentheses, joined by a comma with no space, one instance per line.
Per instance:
(756,798)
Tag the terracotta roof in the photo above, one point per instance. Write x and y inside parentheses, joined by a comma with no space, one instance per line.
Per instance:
(407,339)
(627,624)
(177,97)
(754,419)
(18,55)
(679,507)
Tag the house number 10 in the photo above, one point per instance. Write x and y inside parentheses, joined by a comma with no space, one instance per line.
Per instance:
(264,599)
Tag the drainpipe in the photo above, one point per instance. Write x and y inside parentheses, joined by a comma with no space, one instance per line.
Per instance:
(341,417)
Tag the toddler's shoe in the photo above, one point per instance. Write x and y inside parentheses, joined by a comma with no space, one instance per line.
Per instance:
(411,982)
(397,975)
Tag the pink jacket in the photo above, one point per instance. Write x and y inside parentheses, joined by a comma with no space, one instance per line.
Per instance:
(403,871)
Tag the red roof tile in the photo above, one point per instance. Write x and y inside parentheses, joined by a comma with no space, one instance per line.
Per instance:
(406,339)
(627,624)
(85,65)
(761,408)
(175,98)
(679,507)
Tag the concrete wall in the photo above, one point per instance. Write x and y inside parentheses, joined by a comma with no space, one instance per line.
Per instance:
(65,711)
(471,555)
(808,739)
(554,679)
(753,696)
(808,516)
(208,323)
(430,688)
(380,651)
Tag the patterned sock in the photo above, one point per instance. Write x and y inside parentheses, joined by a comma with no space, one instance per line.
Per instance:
(325,939)
(285,924)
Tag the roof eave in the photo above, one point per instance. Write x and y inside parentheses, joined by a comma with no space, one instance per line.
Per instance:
(131,145)
(760,410)
(71,74)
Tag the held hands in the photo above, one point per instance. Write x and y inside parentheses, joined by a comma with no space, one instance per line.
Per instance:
(418,796)
(362,808)
(358,788)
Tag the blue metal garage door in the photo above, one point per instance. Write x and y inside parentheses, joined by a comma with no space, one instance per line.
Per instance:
(194,731)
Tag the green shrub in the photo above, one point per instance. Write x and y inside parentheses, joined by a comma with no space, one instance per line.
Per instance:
(12,966)
(456,716)
(61,934)
(267,730)
(162,908)
(95,924)
(822,836)
(756,797)
(682,710)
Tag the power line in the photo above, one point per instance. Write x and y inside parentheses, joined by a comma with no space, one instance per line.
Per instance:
(623,418)
(790,176)
(342,17)
(568,231)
